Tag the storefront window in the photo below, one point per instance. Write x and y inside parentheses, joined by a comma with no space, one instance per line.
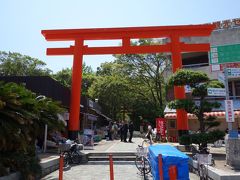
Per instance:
(237,88)
(230,88)
(172,124)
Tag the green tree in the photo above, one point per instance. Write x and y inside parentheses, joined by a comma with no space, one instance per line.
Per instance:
(142,78)
(16,64)
(146,74)
(198,103)
(112,93)
(65,78)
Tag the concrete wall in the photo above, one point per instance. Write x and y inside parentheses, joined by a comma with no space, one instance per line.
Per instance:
(223,37)
(217,38)
(207,70)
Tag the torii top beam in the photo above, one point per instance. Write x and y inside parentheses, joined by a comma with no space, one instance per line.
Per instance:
(127,32)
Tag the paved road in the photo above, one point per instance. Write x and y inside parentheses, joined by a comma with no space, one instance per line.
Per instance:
(116,146)
(100,170)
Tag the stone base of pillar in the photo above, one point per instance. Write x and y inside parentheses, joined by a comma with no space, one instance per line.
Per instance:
(233,152)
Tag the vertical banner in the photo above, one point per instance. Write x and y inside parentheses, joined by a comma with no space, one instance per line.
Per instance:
(229,111)
(161,126)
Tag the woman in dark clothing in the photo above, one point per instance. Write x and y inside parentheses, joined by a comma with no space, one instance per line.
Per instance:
(125,131)
(131,129)
(110,130)
(121,132)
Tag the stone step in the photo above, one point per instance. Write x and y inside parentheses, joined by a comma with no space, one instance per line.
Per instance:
(115,158)
(113,154)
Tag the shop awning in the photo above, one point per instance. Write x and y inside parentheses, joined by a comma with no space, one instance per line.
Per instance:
(192,116)
(91,117)
(99,113)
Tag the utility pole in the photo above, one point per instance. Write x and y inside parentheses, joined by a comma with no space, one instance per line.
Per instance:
(232,141)
(227,94)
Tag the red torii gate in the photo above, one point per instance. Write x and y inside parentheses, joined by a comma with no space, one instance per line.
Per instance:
(175,47)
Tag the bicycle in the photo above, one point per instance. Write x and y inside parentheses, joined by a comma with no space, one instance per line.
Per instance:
(142,163)
(202,172)
(71,153)
(195,154)
(203,162)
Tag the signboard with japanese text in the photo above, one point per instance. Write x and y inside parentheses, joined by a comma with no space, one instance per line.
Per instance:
(233,72)
(215,67)
(161,126)
(221,78)
(216,92)
(66,116)
(229,65)
(88,139)
(227,24)
(220,67)
(187,89)
(90,103)
(229,111)
(225,54)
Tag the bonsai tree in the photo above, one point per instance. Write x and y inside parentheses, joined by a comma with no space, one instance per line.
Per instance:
(198,104)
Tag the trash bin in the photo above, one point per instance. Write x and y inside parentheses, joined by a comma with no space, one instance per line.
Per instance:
(170,157)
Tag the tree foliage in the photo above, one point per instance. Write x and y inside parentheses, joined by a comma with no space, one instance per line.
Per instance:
(65,78)
(146,74)
(188,77)
(16,64)
(140,90)
(112,93)
(202,138)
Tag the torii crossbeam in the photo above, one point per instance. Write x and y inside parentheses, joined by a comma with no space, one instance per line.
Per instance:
(175,47)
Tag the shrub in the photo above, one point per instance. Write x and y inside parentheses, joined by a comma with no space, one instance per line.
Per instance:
(185,140)
(202,139)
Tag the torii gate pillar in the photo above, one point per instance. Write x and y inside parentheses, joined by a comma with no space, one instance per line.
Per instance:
(175,47)
(179,92)
(74,122)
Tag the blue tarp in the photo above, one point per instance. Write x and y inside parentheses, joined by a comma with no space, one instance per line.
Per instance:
(170,156)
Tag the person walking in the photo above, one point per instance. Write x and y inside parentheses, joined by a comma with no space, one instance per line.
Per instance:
(115,130)
(131,129)
(125,131)
(121,130)
(149,134)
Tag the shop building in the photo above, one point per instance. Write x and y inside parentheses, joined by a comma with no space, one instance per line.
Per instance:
(90,113)
(225,53)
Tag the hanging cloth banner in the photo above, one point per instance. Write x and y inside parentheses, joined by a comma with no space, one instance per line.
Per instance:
(161,126)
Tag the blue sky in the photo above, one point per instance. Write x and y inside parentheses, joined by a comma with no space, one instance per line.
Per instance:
(22,21)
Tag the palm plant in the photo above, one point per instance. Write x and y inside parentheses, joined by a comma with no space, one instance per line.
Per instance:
(22,119)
